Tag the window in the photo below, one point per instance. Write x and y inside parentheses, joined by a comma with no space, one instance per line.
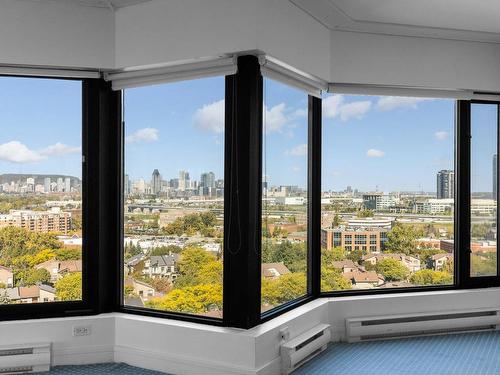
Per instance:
(40,190)
(388,180)
(484,190)
(174,197)
(285,195)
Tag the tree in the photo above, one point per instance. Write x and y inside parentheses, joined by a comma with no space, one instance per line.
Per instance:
(191,261)
(69,253)
(365,213)
(401,239)
(355,255)
(392,269)
(480,230)
(283,289)
(31,276)
(161,285)
(332,279)
(192,299)
(293,255)
(211,273)
(431,277)
(69,288)
(165,250)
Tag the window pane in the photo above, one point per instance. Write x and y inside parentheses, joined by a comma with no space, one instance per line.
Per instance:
(387,192)
(484,120)
(40,190)
(174,196)
(284,206)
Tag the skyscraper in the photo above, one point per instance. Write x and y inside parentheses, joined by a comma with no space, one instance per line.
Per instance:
(60,185)
(445,184)
(46,184)
(156,182)
(184,182)
(126,185)
(495,169)
(67,184)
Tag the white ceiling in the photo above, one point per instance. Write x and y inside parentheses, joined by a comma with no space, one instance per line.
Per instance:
(477,20)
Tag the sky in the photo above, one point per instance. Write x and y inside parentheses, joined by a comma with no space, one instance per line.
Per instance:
(41,122)
(369,142)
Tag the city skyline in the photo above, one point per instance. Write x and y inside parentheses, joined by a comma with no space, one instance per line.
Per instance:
(359,134)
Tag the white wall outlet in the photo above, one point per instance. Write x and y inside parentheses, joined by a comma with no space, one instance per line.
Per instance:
(285,334)
(82,331)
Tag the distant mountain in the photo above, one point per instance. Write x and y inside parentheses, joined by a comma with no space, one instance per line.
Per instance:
(39,178)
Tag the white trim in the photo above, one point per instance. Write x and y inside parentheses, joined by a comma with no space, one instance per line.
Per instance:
(360,89)
(47,72)
(176,363)
(172,73)
(81,355)
(279,71)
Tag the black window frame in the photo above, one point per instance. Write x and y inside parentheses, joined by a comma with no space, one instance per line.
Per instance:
(88,305)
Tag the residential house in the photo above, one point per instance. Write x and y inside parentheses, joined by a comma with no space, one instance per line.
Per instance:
(438,261)
(274,270)
(161,266)
(346,266)
(410,262)
(6,277)
(364,280)
(59,268)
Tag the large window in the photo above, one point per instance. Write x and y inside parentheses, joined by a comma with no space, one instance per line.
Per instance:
(174,196)
(388,185)
(484,190)
(40,190)
(285,196)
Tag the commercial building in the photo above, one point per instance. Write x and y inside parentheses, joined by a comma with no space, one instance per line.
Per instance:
(445,184)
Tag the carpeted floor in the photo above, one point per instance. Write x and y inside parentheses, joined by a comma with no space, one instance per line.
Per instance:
(101,369)
(459,354)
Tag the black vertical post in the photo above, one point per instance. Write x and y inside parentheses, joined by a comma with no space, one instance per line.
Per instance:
(314,196)
(243,195)
(102,205)
(462,194)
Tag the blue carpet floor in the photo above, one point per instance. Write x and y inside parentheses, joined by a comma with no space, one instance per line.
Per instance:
(459,354)
(101,369)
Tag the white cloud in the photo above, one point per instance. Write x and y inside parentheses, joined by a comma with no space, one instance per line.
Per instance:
(301,112)
(374,153)
(388,103)
(275,118)
(441,135)
(16,152)
(143,135)
(334,106)
(299,150)
(210,117)
(296,169)
(354,110)
(59,149)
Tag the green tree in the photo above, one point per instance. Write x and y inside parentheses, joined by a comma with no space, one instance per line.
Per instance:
(431,277)
(365,213)
(191,261)
(401,239)
(332,279)
(165,250)
(69,288)
(283,289)
(68,253)
(196,299)
(392,269)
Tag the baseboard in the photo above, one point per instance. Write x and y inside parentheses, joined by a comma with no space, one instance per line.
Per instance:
(177,364)
(81,355)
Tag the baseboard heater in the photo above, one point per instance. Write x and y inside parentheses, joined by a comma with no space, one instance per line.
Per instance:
(24,358)
(400,326)
(299,350)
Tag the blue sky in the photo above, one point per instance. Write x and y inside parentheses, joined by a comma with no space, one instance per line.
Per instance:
(369,142)
(41,122)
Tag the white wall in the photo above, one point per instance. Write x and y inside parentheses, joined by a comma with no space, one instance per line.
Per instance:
(55,33)
(397,60)
(67,349)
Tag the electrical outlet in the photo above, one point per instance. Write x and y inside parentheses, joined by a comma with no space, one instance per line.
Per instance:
(82,331)
(285,334)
